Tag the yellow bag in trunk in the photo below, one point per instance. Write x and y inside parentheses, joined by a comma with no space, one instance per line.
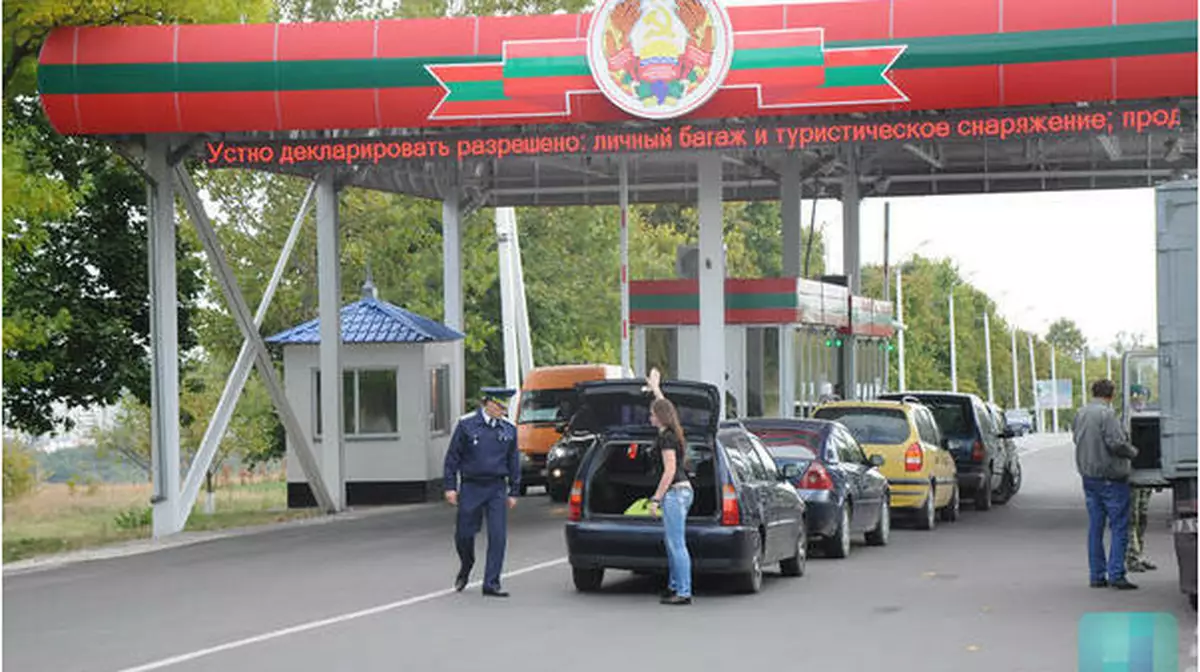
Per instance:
(640,508)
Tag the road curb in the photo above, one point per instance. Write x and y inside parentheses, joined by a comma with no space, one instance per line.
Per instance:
(144,546)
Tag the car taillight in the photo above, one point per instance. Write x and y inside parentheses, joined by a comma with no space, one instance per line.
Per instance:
(977,451)
(914,458)
(816,478)
(575,503)
(731,514)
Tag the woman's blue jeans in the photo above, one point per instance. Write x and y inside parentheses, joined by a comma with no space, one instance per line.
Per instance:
(676,504)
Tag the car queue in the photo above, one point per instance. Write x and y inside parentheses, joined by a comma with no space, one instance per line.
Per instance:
(769,490)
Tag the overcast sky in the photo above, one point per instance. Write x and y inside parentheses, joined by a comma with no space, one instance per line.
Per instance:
(1035,254)
(1087,255)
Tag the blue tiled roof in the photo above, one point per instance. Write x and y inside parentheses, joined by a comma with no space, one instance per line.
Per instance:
(372,321)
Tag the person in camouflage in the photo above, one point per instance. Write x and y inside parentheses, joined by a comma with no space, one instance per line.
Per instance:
(1139,503)
(1135,552)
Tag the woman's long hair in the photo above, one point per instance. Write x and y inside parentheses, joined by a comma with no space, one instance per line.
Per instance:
(666,413)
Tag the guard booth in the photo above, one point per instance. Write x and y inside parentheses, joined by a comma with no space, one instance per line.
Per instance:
(785,339)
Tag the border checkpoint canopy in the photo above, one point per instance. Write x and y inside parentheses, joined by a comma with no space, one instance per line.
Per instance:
(803,58)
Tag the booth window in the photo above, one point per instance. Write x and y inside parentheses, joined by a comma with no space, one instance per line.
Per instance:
(439,400)
(369,402)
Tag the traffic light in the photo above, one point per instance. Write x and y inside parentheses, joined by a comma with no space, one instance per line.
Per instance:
(833,342)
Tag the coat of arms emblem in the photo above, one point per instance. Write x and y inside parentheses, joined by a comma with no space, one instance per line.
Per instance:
(659,59)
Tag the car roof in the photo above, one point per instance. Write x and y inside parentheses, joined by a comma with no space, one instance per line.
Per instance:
(874,403)
(930,393)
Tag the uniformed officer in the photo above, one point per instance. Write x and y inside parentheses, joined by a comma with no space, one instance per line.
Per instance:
(483,451)
(1135,553)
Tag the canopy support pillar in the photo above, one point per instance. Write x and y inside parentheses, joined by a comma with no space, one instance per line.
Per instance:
(789,211)
(164,340)
(452,291)
(712,275)
(850,267)
(329,298)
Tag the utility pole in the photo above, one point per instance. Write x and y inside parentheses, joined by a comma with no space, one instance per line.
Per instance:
(1083,377)
(953,352)
(1016,374)
(1037,402)
(1054,386)
(887,289)
(987,346)
(900,319)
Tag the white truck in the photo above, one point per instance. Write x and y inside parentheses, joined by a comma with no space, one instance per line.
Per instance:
(1159,386)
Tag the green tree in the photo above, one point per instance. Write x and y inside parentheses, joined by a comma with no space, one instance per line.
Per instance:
(76,318)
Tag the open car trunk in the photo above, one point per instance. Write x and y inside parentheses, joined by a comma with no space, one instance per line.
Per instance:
(628,471)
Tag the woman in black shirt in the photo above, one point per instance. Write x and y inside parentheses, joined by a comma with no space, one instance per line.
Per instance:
(674,494)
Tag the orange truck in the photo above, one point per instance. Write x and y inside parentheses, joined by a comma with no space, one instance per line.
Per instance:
(547,402)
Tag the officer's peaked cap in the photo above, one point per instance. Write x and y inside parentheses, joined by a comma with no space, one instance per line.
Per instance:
(500,394)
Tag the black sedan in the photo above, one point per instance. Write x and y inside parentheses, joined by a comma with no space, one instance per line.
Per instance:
(843,490)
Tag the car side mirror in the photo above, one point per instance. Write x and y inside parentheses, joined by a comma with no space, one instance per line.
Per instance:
(790,471)
(876,460)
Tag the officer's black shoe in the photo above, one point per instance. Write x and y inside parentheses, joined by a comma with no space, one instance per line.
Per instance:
(1100,583)
(460,582)
(494,592)
(1123,584)
(676,600)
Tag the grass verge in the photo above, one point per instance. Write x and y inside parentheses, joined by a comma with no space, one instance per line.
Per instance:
(58,518)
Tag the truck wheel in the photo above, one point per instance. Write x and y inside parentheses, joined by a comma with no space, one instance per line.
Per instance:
(587,580)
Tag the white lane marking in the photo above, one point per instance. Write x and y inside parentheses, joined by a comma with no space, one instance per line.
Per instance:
(333,620)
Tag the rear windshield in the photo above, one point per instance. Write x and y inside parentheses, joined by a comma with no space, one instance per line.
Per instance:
(870,425)
(790,444)
(546,405)
(953,417)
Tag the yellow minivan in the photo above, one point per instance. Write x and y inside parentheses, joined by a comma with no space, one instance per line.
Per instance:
(920,470)
(547,400)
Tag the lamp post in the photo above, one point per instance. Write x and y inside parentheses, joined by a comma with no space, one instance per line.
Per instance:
(1054,386)
(987,346)
(953,354)
(900,312)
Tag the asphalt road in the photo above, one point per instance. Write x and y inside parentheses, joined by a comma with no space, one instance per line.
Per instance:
(997,591)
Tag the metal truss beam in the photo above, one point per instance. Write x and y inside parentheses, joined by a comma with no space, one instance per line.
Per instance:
(262,359)
(241,370)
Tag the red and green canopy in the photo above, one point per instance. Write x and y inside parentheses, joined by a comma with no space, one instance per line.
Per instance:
(868,55)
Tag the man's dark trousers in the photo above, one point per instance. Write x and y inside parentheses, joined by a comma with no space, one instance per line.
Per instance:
(475,499)
(1107,502)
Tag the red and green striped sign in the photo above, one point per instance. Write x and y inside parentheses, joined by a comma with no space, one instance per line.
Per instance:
(952,54)
(786,68)
(760,301)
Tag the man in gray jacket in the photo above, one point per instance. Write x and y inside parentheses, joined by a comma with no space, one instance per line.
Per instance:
(1103,455)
